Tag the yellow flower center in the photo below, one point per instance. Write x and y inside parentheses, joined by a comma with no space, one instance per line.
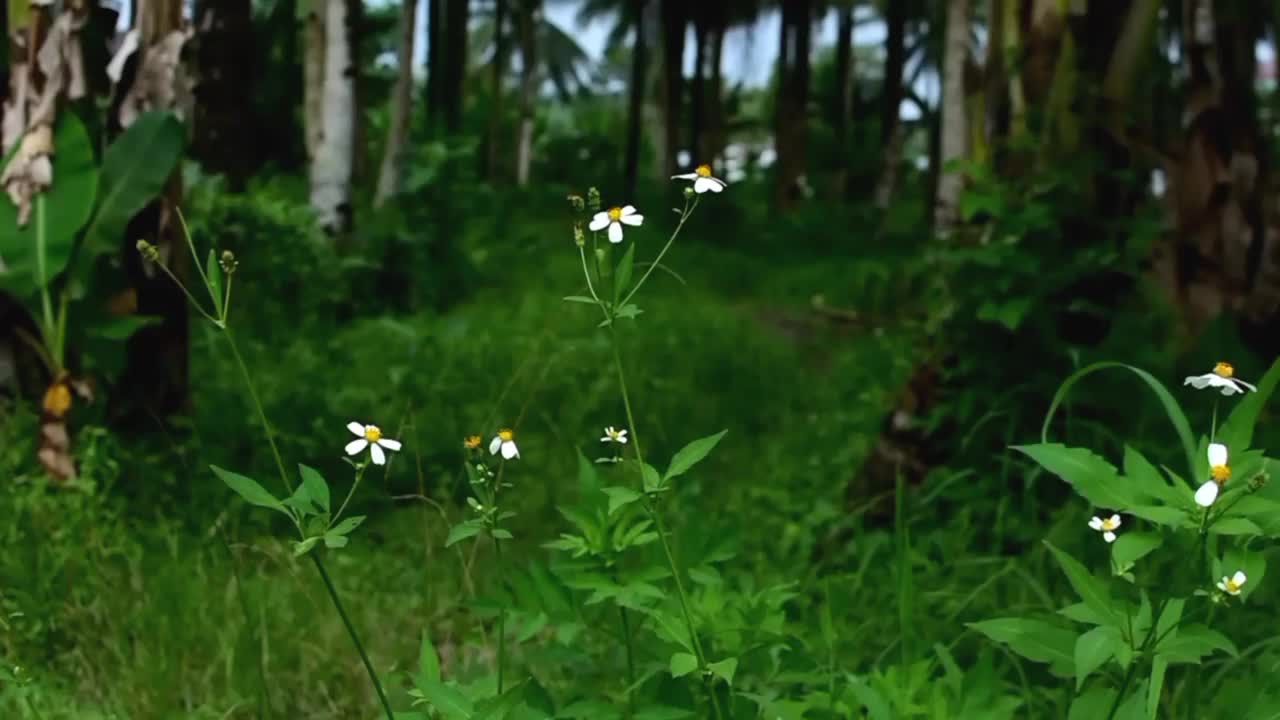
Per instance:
(1233,586)
(505,434)
(472,442)
(615,214)
(1109,525)
(1224,369)
(372,433)
(703,170)
(1220,473)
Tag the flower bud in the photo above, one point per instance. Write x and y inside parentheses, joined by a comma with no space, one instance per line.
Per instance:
(593,199)
(148,251)
(1257,481)
(577,203)
(228,262)
(579,237)
(688,193)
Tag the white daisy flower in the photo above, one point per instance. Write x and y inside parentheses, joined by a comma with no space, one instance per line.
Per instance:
(703,180)
(1223,376)
(614,218)
(505,441)
(1219,473)
(1231,585)
(1106,527)
(611,435)
(370,436)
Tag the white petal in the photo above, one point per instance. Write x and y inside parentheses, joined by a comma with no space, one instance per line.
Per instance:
(622,437)
(703,184)
(356,429)
(379,457)
(1095,523)
(389,444)
(1115,521)
(1230,389)
(1109,536)
(615,233)
(606,438)
(494,444)
(686,176)
(1207,493)
(1217,454)
(1239,578)
(1199,382)
(598,222)
(1251,387)
(627,210)
(356,446)
(635,219)
(1222,585)
(509,450)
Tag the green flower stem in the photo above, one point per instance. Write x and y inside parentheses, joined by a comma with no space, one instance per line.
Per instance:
(355,639)
(502,615)
(257,404)
(46,305)
(354,484)
(631,658)
(1133,664)
(684,215)
(657,518)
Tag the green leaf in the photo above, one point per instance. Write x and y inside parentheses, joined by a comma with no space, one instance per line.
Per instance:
(304,547)
(1234,526)
(580,299)
(463,530)
(346,526)
(316,487)
(724,669)
(37,252)
(497,708)
(1237,431)
(444,699)
(1133,546)
(622,277)
(213,271)
(1093,649)
(1089,588)
(334,540)
(628,311)
(1033,639)
(1147,479)
(1154,688)
(501,534)
(249,489)
(1092,477)
(682,664)
(620,497)
(1160,515)
(1092,704)
(1084,614)
(1176,417)
(1193,642)
(691,455)
(428,661)
(135,169)
(652,481)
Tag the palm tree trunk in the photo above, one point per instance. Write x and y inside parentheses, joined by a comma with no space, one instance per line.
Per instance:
(844,98)
(791,122)
(435,61)
(954,133)
(674,21)
(401,107)
(313,42)
(635,101)
(456,30)
(529,20)
(492,144)
(331,169)
(223,142)
(894,65)
(698,90)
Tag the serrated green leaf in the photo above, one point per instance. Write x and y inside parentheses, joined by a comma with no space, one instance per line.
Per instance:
(444,699)
(501,534)
(691,455)
(462,531)
(1089,588)
(724,669)
(682,664)
(346,526)
(249,489)
(1160,515)
(1194,641)
(1133,546)
(304,547)
(1033,639)
(1148,480)
(428,660)
(1093,649)
(317,488)
(334,540)
(1234,526)
(1095,479)
(620,497)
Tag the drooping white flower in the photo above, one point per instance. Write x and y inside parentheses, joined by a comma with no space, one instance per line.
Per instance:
(703,180)
(618,435)
(1232,585)
(1222,377)
(370,436)
(614,218)
(1219,473)
(1107,527)
(505,441)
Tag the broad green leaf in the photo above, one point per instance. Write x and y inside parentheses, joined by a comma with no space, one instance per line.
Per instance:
(1193,642)
(1092,704)
(662,712)
(302,548)
(877,707)
(1160,515)
(35,253)
(724,669)
(346,526)
(1092,477)
(249,489)
(334,540)
(501,534)
(622,277)
(691,455)
(135,169)
(652,481)
(682,664)
(428,661)
(1089,588)
(1093,649)
(1033,639)
(1237,431)
(1176,417)
(1167,625)
(1148,480)
(1084,614)
(316,487)
(1133,546)
(463,530)
(497,708)
(620,497)
(1234,526)
(444,699)
(1156,686)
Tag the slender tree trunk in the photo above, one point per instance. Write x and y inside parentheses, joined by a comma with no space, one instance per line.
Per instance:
(313,43)
(493,145)
(698,89)
(435,62)
(713,136)
(360,164)
(456,29)
(223,142)
(331,170)
(995,116)
(401,107)
(674,21)
(791,123)
(894,65)
(954,132)
(842,121)
(635,101)
(529,22)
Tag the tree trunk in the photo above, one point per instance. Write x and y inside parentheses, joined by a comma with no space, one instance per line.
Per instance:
(841,123)
(713,134)
(456,31)
(332,168)
(492,144)
(635,100)
(698,88)
(954,132)
(313,43)
(674,21)
(791,122)
(224,119)
(894,65)
(995,118)
(529,22)
(401,107)
(435,62)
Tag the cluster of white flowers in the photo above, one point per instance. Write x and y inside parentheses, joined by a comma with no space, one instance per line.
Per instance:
(615,217)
